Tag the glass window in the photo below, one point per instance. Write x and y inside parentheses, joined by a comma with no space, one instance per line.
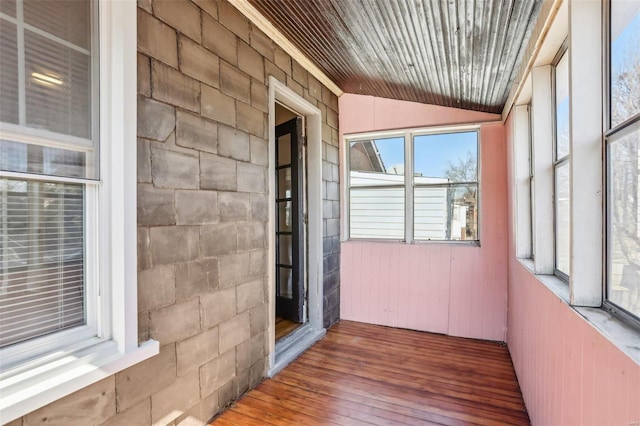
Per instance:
(623,159)
(561,166)
(377,189)
(47,123)
(445,175)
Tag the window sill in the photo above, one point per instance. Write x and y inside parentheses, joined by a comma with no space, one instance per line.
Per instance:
(30,389)
(616,331)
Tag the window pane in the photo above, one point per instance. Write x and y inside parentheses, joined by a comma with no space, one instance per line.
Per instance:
(451,157)
(20,157)
(8,72)
(562,107)
(41,259)
(376,204)
(58,87)
(625,60)
(562,220)
(446,213)
(623,283)
(66,19)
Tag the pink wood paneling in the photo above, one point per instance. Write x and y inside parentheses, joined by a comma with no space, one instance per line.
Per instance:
(459,290)
(569,373)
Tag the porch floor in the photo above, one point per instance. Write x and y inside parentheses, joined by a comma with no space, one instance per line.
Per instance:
(368,374)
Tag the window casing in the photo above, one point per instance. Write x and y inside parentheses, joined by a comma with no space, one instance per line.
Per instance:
(56,185)
(622,138)
(561,157)
(414,186)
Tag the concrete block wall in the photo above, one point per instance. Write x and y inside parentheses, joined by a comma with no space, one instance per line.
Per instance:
(202,217)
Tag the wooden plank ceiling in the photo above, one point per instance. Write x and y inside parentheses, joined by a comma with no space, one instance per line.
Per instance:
(456,53)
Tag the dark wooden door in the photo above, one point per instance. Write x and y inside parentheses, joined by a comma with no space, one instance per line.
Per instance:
(289,221)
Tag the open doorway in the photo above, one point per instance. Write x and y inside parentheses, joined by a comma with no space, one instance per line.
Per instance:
(290,229)
(295,225)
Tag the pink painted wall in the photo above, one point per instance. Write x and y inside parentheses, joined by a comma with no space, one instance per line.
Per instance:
(569,373)
(458,290)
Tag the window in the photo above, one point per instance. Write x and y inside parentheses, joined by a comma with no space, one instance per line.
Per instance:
(623,159)
(561,167)
(414,186)
(68,308)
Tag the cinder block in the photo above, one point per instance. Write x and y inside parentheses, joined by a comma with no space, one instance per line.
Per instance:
(155,206)
(259,318)
(251,236)
(193,131)
(171,244)
(249,295)
(155,120)
(300,74)
(157,39)
(156,288)
(175,88)
(250,61)
(144,252)
(270,69)
(175,322)
(251,351)
(217,307)
(231,18)
(259,151)
(259,208)
(295,86)
(217,173)
(91,405)
(197,350)
(217,372)
(209,6)
(263,44)
(180,14)
(315,88)
(282,60)
(171,169)
(198,62)
(172,401)
(202,413)
(196,278)
(218,106)
(137,383)
(258,263)
(196,207)
(234,331)
(144,75)
(139,414)
(332,118)
(259,95)
(233,143)
(218,239)
(144,161)
(219,40)
(233,269)
(234,83)
(234,206)
(251,178)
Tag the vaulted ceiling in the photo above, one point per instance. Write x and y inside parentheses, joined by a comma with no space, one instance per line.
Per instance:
(456,53)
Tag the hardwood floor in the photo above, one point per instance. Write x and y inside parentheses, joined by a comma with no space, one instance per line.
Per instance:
(284,327)
(366,374)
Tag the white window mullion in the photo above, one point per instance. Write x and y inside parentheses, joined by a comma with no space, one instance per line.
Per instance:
(408,192)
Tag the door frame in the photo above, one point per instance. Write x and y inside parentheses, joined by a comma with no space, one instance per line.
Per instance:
(313,330)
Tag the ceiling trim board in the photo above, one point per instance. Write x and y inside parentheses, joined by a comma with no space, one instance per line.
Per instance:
(251,13)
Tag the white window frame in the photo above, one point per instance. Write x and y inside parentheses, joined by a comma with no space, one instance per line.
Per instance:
(408,135)
(114,346)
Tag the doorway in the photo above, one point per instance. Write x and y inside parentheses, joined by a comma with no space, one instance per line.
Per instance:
(295,225)
(290,231)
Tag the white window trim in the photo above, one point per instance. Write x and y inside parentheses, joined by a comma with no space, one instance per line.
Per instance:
(408,135)
(47,379)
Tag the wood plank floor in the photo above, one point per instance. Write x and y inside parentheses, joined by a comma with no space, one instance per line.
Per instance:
(366,374)
(284,327)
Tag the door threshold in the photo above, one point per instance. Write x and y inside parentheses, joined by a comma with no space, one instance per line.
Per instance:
(292,346)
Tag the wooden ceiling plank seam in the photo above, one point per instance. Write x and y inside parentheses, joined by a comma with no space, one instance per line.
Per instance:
(425,54)
(498,54)
(436,70)
(254,16)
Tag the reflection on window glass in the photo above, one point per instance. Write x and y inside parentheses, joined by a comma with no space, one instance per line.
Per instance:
(41,259)
(562,233)
(376,195)
(19,157)
(625,60)
(623,227)
(444,207)
(451,157)
(562,107)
